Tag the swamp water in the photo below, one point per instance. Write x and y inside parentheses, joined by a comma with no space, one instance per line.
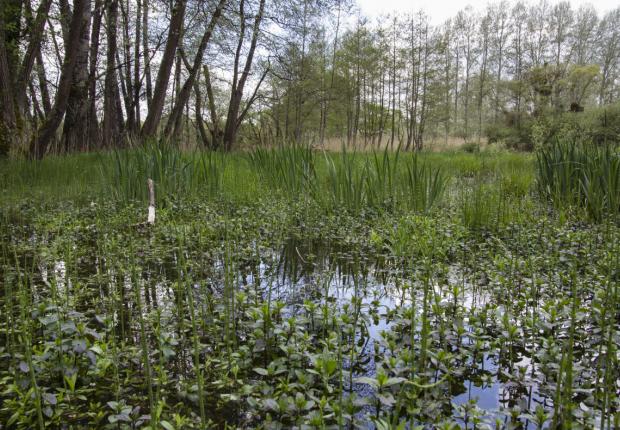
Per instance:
(308,334)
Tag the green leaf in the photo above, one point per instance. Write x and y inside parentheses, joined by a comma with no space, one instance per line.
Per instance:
(167,425)
(96,349)
(366,380)
(394,381)
(271,404)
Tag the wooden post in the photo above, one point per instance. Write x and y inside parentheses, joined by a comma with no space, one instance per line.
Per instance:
(151,215)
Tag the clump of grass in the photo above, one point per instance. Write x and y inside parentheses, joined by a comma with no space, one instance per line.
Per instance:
(483,207)
(175,174)
(575,175)
(346,182)
(382,178)
(290,169)
(424,186)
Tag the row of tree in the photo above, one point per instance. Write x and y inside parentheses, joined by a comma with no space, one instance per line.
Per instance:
(404,81)
(90,74)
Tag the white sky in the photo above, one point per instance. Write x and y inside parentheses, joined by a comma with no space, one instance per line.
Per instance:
(440,10)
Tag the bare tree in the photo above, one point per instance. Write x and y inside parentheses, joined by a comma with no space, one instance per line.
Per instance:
(235,115)
(156,105)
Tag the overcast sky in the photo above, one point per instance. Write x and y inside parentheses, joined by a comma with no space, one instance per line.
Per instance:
(440,10)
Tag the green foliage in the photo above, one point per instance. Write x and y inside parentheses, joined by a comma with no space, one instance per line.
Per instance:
(471,147)
(288,168)
(424,186)
(603,124)
(514,131)
(175,174)
(383,181)
(280,311)
(346,182)
(574,175)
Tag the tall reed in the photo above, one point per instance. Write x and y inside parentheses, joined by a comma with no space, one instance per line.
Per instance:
(345,182)
(424,185)
(175,174)
(289,169)
(581,176)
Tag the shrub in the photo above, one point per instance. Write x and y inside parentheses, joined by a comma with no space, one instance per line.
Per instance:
(471,147)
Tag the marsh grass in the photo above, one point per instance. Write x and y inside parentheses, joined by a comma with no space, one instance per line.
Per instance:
(346,182)
(425,186)
(580,176)
(289,169)
(176,174)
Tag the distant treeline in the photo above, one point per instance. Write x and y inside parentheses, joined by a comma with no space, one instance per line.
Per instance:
(89,74)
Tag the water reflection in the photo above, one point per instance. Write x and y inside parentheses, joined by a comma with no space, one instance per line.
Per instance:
(302,270)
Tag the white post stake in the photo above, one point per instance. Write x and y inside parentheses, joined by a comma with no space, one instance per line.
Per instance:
(151,216)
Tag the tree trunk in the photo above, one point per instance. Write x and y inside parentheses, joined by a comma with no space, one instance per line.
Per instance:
(137,83)
(75,134)
(93,124)
(199,121)
(45,94)
(111,101)
(145,52)
(40,143)
(34,46)
(215,120)
(126,71)
(231,127)
(7,107)
(184,93)
(163,75)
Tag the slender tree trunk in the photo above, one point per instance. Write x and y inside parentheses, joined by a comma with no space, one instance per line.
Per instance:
(185,91)
(230,129)
(204,138)
(330,90)
(156,106)
(92,124)
(43,88)
(146,53)
(137,83)
(126,71)
(7,107)
(215,121)
(65,19)
(34,46)
(111,102)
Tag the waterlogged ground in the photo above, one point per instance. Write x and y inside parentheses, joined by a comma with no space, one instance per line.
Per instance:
(280,315)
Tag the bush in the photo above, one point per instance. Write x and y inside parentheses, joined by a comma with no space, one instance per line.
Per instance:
(471,147)
(514,131)
(605,124)
(524,133)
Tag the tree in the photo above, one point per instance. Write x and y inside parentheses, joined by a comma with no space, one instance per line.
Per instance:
(40,142)
(156,105)
(235,115)
(185,92)
(75,135)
